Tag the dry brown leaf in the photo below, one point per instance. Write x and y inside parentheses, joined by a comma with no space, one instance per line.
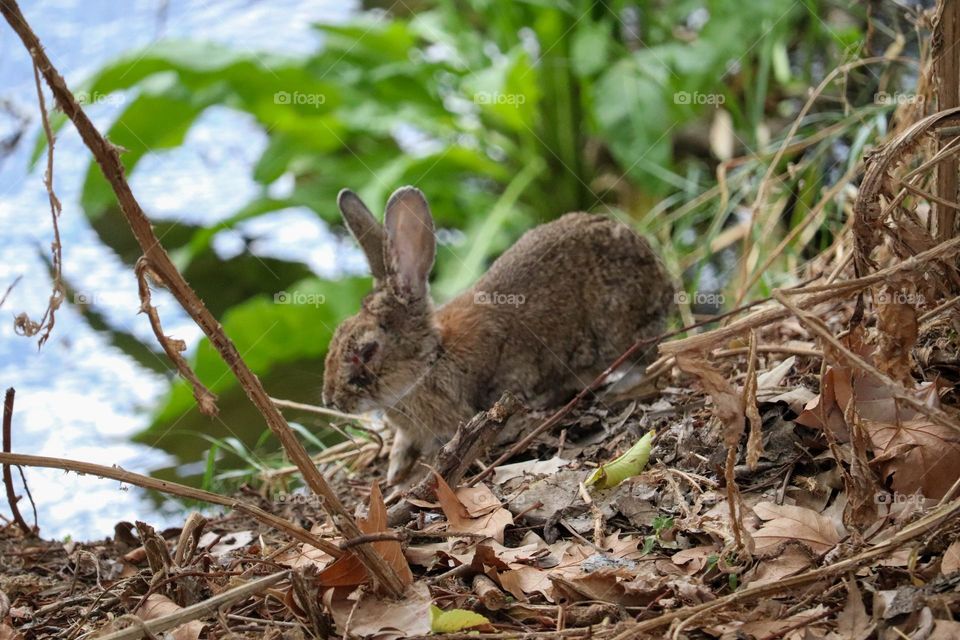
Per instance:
(764,628)
(304,555)
(492,518)
(890,604)
(875,401)
(485,561)
(348,571)
(785,523)
(389,550)
(694,558)
(773,377)
(531,548)
(626,547)
(157,606)
(945,630)
(543,497)
(824,411)
(534,467)
(371,616)
(607,585)
(538,568)
(917,455)
(222,545)
(8,633)
(423,504)
(897,330)
(727,403)
(478,500)
(788,562)
(345,571)
(796,399)
(526,580)
(951,558)
(900,558)
(428,555)
(853,621)
(716,522)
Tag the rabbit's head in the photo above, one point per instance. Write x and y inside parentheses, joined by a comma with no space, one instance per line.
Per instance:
(377,356)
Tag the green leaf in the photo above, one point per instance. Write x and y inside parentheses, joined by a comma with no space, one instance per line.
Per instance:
(633,114)
(661,524)
(153,121)
(291,325)
(626,466)
(376,39)
(590,48)
(454,620)
(507,91)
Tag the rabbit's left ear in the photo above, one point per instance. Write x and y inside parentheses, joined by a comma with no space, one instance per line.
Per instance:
(410,245)
(365,229)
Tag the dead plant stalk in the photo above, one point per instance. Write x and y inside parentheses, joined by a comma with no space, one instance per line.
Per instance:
(172,488)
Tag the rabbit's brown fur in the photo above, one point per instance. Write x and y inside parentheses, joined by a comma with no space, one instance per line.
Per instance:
(550,314)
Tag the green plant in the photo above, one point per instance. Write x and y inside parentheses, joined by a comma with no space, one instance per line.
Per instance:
(504,113)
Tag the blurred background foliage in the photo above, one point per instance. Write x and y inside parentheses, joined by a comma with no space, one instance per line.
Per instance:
(506,114)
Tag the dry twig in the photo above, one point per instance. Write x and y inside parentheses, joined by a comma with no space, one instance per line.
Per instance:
(195,612)
(7,476)
(172,488)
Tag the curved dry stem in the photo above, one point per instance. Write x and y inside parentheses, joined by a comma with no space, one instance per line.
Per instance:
(206,399)
(23,325)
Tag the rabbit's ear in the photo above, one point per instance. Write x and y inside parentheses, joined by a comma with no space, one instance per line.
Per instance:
(411,245)
(365,229)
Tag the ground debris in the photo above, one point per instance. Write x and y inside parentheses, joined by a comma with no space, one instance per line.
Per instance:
(532,549)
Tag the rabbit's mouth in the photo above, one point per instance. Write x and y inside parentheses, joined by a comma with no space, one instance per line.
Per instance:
(366,405)
(354,404)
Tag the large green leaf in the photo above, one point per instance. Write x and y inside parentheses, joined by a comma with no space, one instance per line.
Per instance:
(634,115)
(507,91)
(590,47)
(290,325)
(152,122)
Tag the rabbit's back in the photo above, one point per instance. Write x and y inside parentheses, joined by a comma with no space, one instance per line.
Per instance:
(556,308)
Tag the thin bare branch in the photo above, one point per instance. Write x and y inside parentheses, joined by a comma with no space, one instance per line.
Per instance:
(174,489)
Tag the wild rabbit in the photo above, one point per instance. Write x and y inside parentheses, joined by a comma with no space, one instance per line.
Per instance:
(551,313)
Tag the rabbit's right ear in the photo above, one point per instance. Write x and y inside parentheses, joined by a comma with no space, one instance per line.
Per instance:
(410,243)
(365,229)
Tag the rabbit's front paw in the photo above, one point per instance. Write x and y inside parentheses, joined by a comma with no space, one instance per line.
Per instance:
(403,455)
